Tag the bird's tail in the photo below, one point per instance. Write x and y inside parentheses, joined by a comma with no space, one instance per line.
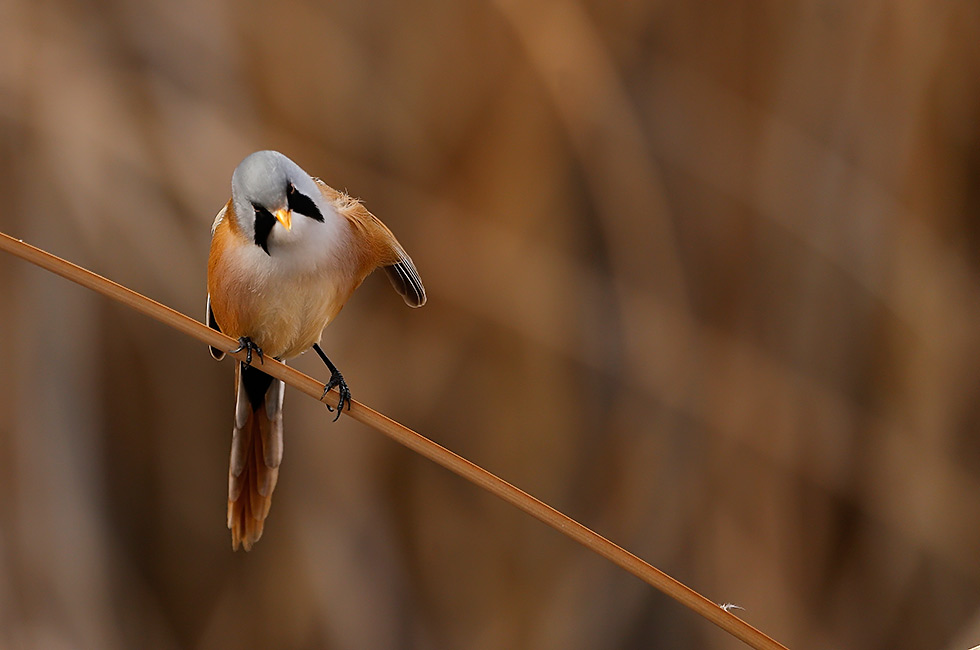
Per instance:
(256,451)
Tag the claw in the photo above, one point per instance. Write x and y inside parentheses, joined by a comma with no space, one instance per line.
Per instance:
(337,381)
(245,343)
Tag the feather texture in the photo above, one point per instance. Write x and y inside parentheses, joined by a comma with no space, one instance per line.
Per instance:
(376,246)
(213,324)
(406,281)
(256,452)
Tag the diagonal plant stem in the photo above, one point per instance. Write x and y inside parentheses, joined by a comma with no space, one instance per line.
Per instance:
(595,542)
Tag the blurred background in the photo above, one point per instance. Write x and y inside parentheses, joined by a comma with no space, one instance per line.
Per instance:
(702,275)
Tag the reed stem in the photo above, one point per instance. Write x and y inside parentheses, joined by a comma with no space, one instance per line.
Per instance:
(564,524)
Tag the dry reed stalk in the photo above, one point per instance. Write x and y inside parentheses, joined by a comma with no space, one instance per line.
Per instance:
(719,615)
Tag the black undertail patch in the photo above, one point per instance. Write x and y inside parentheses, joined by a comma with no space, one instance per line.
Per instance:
(256,384)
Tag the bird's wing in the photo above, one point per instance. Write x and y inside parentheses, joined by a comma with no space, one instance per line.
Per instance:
(213,324)
(219,217)
(210,319)
(379,247)
(406,281)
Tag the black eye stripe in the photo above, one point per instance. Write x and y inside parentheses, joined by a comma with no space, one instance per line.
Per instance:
(299,202)
(264,221)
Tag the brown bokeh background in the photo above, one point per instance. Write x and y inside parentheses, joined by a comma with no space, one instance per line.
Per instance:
(703,275)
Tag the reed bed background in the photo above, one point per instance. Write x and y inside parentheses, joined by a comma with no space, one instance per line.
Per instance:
(702,275)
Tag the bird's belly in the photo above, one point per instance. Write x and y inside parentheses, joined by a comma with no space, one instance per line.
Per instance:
(290,321)
(283,317)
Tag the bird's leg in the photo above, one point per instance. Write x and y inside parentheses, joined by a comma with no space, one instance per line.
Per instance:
(245,343)
(336,380)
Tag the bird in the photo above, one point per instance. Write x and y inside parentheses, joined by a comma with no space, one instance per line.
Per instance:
(287,251)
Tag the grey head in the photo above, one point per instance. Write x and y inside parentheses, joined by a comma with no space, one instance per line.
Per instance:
(275,201)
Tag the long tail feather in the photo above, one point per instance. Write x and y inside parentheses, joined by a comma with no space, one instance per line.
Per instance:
(256,451)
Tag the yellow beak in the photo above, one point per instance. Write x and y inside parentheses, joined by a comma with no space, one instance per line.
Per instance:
(285,217)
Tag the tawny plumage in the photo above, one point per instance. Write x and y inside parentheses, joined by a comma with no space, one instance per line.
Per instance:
(287,251)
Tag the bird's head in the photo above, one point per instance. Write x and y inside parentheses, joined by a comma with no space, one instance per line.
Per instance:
(276,203)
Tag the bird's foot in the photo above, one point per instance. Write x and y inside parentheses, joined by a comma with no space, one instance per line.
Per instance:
(337,381)
(245,343)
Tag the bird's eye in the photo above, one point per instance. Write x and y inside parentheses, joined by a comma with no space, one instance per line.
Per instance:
(299,202)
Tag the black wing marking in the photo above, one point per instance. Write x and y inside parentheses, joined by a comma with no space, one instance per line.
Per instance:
(406,281)
(213,324)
